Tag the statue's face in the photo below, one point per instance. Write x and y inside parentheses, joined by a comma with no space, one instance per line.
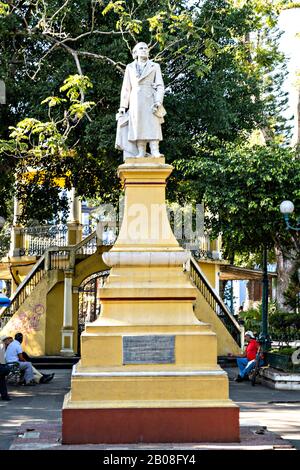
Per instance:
(142,50)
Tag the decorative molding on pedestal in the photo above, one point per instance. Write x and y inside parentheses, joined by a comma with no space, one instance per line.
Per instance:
(145,258)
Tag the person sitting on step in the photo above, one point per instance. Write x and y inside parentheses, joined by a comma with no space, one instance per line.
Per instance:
(246,361)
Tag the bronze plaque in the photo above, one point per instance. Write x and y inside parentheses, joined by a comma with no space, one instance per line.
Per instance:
(150,349)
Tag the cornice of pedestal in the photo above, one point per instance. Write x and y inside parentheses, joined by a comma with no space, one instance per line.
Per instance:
(144,161)
(145,171)
(145,258)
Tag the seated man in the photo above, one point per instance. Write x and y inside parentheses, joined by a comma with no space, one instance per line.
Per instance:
(14,353)
(246,361)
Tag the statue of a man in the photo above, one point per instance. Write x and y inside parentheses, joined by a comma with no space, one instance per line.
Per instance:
(141,112)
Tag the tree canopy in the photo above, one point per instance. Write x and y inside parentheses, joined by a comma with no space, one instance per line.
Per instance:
(242,186)
(219,60)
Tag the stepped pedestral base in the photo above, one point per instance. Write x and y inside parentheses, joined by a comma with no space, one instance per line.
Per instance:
(148,370)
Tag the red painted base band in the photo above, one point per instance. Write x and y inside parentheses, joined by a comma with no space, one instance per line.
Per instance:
(133,425)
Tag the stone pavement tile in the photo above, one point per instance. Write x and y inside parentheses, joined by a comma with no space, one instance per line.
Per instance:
(41,403)
(35,436)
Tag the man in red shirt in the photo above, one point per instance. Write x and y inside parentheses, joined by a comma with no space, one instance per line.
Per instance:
(246,361)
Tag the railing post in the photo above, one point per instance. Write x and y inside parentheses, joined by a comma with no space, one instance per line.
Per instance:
(187,266)
(47,260)
(67,330)
(16,243)
(242,328)
(72,257)
(74,222)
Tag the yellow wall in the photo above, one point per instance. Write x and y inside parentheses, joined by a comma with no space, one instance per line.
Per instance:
(225,342)
(30,320)
(54,321)
(205,313)
(209,270)
(90,265)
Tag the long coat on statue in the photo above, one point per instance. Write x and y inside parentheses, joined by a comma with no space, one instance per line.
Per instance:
(139,94)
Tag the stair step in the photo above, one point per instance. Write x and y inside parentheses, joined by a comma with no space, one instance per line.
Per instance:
(48,362)
(54,362)
(59,362)
(225,361)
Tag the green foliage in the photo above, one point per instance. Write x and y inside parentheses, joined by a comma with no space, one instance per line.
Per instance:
(292,294)
(283,326)
(283,350)
(252,319)
(6,186)
(4,240)
(243,186)
(43,148)
(218,85)
(4,9)
(74,85)
(291,5)
(253,260)
(35,140)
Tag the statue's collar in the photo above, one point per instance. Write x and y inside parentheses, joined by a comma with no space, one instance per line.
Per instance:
(147,69)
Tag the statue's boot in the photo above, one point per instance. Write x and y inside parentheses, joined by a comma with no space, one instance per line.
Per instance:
(154,148)
(141,145)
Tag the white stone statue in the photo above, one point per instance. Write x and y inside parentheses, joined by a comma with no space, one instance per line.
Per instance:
(141,112)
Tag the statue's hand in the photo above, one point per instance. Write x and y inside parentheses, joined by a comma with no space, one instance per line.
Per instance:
(155,107)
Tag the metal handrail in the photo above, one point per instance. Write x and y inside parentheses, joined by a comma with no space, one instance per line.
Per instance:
(215,302)
(37,238)
(89,240)
(24,290)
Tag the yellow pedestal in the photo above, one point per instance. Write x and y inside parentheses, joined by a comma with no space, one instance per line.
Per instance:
(149,368)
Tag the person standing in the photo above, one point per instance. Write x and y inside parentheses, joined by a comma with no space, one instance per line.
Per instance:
(4,371)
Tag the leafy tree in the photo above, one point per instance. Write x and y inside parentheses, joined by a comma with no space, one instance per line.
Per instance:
(213,74)
(292,293)
(243,186)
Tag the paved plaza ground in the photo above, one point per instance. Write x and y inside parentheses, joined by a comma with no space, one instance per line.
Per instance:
(32,419)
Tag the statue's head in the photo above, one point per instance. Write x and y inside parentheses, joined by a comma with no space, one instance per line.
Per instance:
(140,50)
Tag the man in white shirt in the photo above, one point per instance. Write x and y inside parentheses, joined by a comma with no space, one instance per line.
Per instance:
(14,353)
(38,377)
